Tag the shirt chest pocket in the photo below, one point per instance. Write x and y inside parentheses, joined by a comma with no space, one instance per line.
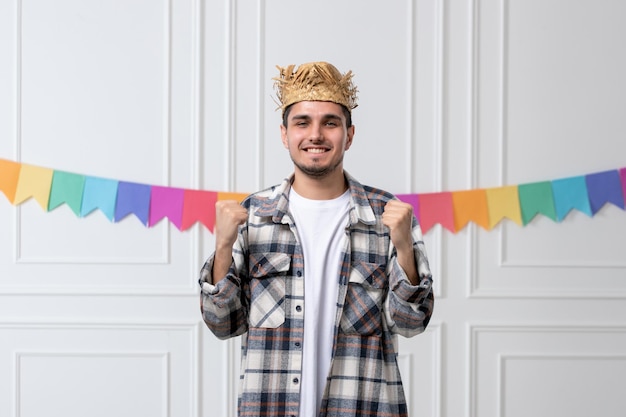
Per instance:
(267,289)
(362,311)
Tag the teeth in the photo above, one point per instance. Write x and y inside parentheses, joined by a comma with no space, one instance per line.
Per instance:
(316,150)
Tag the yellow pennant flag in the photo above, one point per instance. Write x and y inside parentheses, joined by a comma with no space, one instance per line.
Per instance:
(34,182)
(503,202)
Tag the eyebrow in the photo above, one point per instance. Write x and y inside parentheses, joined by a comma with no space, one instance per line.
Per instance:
(324,117)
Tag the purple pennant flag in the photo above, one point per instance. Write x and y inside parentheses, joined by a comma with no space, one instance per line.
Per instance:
(604,187)
(167,202)
(133,198)
(622,174)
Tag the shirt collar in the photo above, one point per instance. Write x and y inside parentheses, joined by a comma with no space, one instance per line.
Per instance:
(278,203)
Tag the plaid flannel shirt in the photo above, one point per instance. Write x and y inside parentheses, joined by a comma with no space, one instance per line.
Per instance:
(262,298)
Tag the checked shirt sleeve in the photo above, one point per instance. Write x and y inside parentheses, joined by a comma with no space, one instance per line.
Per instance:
(408,307)
(223,305)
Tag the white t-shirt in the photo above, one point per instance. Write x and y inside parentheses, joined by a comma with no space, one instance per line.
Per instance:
(321,226)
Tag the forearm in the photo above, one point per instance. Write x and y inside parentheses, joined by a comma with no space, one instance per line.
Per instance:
(406,260)
(221,263)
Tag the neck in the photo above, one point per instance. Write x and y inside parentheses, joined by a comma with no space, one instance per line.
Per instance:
(323,188)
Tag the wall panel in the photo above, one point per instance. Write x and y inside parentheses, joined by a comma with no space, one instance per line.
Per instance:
(561,359)
(530,103)
(99,368)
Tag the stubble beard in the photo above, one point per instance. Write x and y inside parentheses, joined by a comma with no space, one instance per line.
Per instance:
(317,171)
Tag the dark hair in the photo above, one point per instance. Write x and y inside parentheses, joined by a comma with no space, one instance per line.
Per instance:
(344,109)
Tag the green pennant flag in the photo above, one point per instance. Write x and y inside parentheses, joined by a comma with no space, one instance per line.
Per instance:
(67,188)
(536,198)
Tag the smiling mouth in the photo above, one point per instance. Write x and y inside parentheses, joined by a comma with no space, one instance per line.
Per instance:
(316,150)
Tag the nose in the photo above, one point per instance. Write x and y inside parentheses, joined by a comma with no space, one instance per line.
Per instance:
(316,133)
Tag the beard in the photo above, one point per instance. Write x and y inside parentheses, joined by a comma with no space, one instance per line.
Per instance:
(318,171)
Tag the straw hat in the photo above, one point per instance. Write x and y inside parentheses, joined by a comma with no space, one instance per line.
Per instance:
(314,81)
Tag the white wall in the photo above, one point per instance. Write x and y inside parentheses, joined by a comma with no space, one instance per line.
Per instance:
(102,319)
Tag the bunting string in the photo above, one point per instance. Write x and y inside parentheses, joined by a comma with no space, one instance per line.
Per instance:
(453,210)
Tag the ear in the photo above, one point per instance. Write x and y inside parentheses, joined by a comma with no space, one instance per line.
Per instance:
(283,136)
(350,135)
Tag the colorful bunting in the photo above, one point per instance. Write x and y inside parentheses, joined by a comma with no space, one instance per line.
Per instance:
(503,203)
(199,206)
(166,202)
(34,182)
(99,193)
(231,196)
(133,198)
(622,174)
(569,194)
(604,187)
(536,198)
(184,207)
(9,175)
(67,188)
(436,208)
(471,206)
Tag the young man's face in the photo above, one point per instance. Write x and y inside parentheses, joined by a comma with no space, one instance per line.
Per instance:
(317,137)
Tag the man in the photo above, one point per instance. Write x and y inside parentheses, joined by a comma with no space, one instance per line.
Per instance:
(320,273)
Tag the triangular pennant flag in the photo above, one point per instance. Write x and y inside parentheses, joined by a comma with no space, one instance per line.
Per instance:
(99,193)
(34,182)
(503,202)
(239,197)
(66,188)
(133,198)
(570,193)
(436,208)
(536,198)
(412,199)
(166,202)
(199,206)
(9,176)
(470,206)
(604,187)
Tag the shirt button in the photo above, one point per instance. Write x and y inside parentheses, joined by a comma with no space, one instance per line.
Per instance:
(297,344)
(296,380)
(298,308)
(299,273)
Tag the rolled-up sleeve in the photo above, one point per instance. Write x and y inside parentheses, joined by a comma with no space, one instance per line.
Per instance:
(408,307)
(222,306)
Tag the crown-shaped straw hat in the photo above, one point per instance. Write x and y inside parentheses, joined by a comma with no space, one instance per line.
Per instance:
(314,81)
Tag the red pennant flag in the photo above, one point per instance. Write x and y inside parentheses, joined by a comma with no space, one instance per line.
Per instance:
(436,208)
(199,206)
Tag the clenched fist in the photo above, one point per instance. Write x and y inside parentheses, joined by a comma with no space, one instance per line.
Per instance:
(229,215)
(398,217)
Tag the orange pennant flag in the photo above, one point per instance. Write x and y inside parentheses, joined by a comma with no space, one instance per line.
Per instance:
(199,206)
(9,175)
(469,206)
(239,197)
(503,202)
(34,182)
